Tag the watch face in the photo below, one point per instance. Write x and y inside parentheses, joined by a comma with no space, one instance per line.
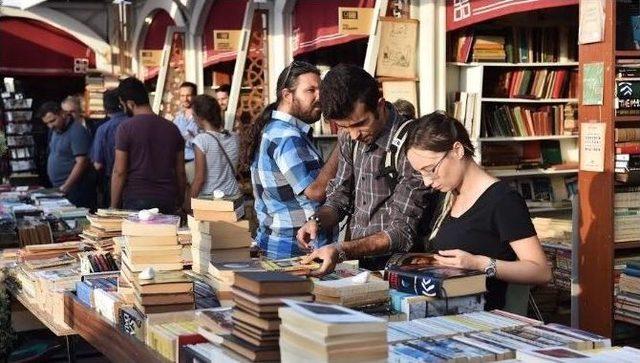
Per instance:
(490,271)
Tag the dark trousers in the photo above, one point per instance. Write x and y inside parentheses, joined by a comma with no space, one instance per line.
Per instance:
(165,206)
(83,193)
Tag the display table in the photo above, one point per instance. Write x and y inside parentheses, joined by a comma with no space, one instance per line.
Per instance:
(57,329)
(103,336)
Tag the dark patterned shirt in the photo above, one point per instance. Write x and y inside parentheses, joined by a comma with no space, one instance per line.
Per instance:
(377,207)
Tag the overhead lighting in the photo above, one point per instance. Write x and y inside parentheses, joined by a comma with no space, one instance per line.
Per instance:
(123,2)
(21,4)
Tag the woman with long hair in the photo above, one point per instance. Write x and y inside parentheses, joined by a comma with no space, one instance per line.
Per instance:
(484,224)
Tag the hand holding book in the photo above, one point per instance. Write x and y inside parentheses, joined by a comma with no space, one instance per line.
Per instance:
(461,259)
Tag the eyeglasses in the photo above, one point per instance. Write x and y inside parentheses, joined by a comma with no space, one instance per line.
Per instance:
(432,173)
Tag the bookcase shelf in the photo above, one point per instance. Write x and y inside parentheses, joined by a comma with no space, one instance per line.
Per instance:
(527,138)
(529,172)
(511,65)
(626,245)
(627,118)
(549,209)
(628,53)
(529,100)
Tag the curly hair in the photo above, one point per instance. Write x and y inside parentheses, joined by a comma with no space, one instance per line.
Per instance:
(343,86)
(251,139)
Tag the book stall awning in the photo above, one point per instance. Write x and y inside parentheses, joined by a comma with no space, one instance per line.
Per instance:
(315,24)
(462,13)
(224,15)
(31,47)
(155,36)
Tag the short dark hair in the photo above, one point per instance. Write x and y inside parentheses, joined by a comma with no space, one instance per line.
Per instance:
(191,85)
(405,109)
(207,108)
(111,101)
(226,88)
(343,86)
(132,89)
(49,106)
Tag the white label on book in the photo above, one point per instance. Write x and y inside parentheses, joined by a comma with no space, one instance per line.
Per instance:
(592,146)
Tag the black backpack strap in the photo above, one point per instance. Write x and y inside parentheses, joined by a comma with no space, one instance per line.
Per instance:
(390,166)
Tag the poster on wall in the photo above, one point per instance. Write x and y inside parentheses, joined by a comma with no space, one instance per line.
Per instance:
(354,21)
(592,83)
(226,40)
(397,52)
(591,26)
(406,90)
(592,146)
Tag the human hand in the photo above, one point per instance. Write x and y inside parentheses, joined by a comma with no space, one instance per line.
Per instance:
(329,256)
(64,189)
(460,259)
(307,233)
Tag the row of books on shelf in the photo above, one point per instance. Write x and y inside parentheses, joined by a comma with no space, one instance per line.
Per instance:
(627,155)
(626,216)
(18,116)
(627,289)
(464,109)
(517,45)
(547,193)
(522,121)
(539,83)
(528,154)
(627,97)
(95,85)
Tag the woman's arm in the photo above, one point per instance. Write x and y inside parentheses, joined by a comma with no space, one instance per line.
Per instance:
(201,167)
(530,268)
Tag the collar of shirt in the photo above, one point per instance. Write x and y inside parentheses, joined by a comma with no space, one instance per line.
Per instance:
(68,122)
(283,116)
(390,126)
(183,116)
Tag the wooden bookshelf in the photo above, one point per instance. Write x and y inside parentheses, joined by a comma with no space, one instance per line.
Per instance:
(529,100)
(596,252)
(627,118)
(529,172)
(527,138)
(507,65)
(626,245)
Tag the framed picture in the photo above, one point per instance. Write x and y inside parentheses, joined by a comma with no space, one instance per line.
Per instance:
(397,51)
(395,90)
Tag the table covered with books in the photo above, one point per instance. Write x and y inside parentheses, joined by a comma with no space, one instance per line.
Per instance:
(141,289)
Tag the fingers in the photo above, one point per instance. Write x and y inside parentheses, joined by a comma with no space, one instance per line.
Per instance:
(303,238)
(447,261)
(309,258)
(327,266)
(448,253)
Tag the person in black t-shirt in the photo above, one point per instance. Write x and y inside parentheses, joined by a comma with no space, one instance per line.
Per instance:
(484,224)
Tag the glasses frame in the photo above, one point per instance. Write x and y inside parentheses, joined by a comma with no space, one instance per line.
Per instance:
(431,174)
(286,78)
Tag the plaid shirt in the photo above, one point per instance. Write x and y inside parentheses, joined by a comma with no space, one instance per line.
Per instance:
(287,162)
(377,207)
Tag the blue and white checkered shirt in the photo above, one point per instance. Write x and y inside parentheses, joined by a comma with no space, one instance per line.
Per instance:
(286,163)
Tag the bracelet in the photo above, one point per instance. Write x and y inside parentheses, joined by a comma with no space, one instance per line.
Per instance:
(316,219)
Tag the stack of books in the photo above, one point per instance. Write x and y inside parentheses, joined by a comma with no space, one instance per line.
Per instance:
(167,338)
(34,232)
(626,220)
(312,332)
(214,323)
(167,291)
(223,273)
(627,162)
(342,287)
(256,325)
(627,296)
(420,306)
(217,225)
(151,243)
(489,48)
(103,227)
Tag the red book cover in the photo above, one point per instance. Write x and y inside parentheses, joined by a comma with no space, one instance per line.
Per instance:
(558,87)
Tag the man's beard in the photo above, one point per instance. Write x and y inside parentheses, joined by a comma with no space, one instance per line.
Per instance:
(308,116)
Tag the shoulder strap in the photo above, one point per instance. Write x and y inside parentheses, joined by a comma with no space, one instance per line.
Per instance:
(224,152)
(392,157)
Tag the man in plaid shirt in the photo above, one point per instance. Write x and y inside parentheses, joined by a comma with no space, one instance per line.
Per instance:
(287,173)
(384,218)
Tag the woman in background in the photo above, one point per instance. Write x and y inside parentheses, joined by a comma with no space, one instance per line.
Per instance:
(216,151)
(484,224)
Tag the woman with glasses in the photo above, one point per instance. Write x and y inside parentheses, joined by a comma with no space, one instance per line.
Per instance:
(484,224)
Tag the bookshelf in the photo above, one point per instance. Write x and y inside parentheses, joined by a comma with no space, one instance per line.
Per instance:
(599,252)
(18,116)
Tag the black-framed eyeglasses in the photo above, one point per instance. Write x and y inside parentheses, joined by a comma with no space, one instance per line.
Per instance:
(432,173)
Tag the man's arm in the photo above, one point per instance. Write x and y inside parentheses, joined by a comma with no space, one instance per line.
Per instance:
(318,189)
(118,177)
(82,162)
(181,177)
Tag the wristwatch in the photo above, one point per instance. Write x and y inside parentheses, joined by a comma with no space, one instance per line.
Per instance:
(491,269)
(316,219)
(342,256)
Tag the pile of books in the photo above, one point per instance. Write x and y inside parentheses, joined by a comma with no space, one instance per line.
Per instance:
(167,291)
(103,227)
(256,325)
(554,230)
(222,276)
(627,162)
(33,232)
(488,48)
(627,294)
(217,224)
(521,121)
(483,336)
(421,306)
(626,216)
(214,323)
(99,281)
(151,243)
(167,338)
(344,287)
(313,332)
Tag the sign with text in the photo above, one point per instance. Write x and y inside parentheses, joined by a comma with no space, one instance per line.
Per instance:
(226,40)
(591,27)
(150,57)
(592,83)
(354,21)
(592,146)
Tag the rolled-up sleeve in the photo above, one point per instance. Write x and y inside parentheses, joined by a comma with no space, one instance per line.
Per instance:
(339,188)
(409,202)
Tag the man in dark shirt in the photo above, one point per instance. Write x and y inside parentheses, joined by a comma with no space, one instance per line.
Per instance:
(148,171)
(68,164)
(384,219)
(103,151)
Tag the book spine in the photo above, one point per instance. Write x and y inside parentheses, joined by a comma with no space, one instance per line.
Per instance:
(414,284)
